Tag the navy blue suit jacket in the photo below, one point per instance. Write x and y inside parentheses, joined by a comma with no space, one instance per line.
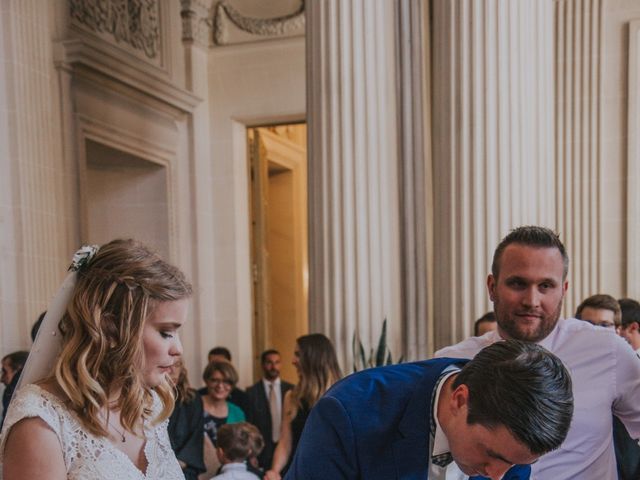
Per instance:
(374,425)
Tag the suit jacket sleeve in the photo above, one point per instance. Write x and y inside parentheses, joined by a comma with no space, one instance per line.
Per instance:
(327,447)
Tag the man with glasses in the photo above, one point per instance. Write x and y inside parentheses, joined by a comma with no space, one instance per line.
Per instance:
(630,324)
(601,310)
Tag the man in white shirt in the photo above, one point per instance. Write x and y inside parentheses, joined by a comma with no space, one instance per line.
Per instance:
(265,399)
(630,327)
(527,287)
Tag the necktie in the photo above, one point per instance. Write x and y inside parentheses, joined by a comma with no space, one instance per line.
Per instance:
(275,414)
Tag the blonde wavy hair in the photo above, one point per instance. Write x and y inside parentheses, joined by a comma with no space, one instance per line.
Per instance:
(102,344)
(319,369)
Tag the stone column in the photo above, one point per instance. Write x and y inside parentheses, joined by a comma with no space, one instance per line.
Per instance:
(38,186)
(578,145)
(197,38)
(354,262)
(416,194)
(492,143)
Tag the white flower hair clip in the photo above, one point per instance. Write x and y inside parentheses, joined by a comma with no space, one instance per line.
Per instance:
(83,256)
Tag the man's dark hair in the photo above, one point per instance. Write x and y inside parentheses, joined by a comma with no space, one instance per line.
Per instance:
(601,301)
(487,317)
(630,310)
(530,236)
(238,441)
(222,351)
(36,326)
(525,388)
(17,359)
(266,353)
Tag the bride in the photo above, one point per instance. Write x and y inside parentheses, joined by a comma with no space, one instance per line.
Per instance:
(94,396)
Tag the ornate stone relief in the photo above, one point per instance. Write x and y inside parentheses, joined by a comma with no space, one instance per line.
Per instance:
(196,21)
(134,22)
(227,18)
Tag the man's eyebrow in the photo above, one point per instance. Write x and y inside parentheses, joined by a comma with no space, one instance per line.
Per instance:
(493,454)
(518,278)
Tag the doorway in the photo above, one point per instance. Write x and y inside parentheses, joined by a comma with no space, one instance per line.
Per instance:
(278,166)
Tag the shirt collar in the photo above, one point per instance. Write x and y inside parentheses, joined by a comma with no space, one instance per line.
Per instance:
(236,466)
(276,382)
(440,442)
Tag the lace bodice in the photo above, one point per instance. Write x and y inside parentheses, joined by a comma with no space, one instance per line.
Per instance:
(86,456)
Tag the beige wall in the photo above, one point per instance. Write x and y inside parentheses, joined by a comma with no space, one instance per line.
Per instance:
(250,84)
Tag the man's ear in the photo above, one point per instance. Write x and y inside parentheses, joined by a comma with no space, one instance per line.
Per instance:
(459,400)
(634,327)
(491,287)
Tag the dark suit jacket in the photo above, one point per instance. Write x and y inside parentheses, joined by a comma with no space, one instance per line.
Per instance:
(374,425)
(186,433)
(627,452)
(259,414)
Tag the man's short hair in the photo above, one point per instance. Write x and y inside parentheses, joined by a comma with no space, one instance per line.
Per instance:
(238,441)
(221,351)
(486,318)
(17,359)
(630,311)
(601,301)
(531,236)
(525,388)
(266,353)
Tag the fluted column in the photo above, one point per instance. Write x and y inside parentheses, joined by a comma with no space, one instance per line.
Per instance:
(578,145)
(37,185)
(353,171)
(416,194)
(492,143)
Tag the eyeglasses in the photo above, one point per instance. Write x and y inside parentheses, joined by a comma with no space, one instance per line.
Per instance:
(218,381)
(602,324)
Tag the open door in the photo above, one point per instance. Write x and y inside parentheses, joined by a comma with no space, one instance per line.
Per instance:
(279,232)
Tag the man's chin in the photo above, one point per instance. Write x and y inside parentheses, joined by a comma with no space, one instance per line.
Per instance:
(528,333)
(467,470)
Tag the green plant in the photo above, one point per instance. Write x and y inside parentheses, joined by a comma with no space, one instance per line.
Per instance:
(378,358)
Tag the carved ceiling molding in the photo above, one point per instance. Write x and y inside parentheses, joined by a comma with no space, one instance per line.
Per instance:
(133,22)
(196,21)
(286,25)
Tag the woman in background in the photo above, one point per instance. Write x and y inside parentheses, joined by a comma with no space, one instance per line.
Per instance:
(219,378)
(186,424)
(317,365)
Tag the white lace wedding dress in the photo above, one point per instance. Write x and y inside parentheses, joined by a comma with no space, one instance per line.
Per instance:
(87,456)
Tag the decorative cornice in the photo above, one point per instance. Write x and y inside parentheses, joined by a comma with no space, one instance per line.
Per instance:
(81,58)
(196,21)
(134,22)
(264,27)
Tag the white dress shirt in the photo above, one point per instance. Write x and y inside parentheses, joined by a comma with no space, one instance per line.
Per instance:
(605,373)
(276,389)
(440,442)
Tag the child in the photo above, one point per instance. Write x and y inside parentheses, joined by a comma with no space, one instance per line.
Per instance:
(237,443)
